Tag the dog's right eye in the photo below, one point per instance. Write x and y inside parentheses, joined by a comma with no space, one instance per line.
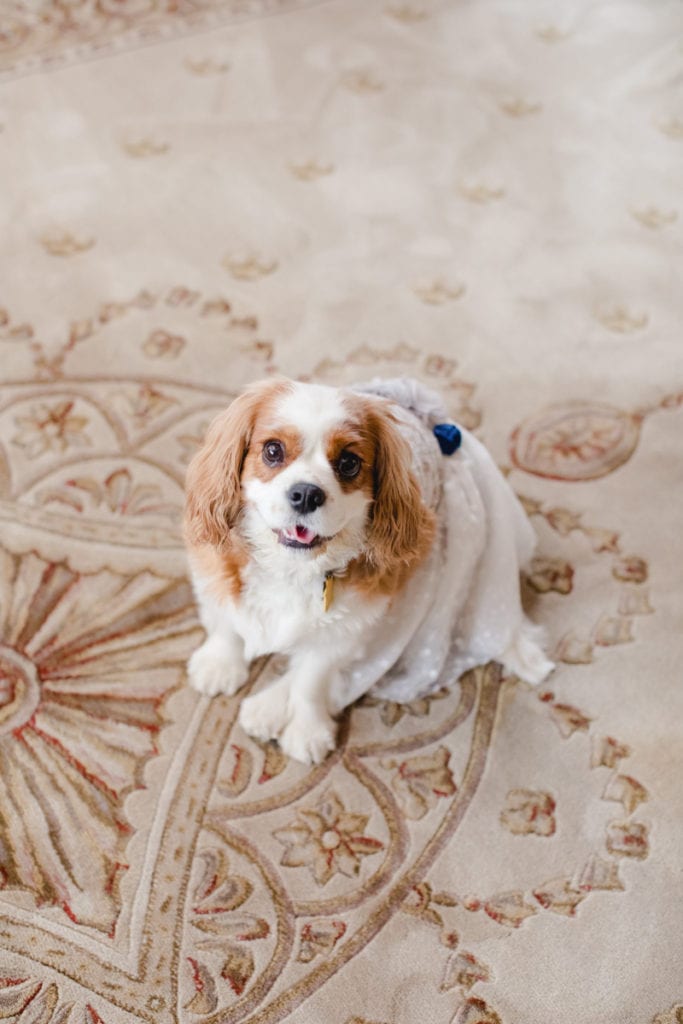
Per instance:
(273,453)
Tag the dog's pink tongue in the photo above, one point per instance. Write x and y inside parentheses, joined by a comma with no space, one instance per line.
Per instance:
(304,535)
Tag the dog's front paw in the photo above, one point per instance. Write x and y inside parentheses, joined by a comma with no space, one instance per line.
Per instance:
(264,715)
(309,737)
(213,669)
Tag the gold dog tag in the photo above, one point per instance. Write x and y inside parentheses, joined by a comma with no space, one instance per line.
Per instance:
(328,591)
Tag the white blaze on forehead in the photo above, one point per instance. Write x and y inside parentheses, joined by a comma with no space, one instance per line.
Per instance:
(314,410)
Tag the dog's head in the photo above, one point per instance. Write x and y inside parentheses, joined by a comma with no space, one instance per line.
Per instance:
(312,469)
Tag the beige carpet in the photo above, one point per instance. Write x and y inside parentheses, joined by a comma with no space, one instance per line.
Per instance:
(198,193)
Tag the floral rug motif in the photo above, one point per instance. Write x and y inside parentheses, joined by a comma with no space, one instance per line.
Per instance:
(337,191)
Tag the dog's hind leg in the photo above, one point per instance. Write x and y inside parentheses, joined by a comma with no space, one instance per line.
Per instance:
(524,656)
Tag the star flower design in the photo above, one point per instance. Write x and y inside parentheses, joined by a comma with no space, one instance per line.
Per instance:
(49,428)
(327,839)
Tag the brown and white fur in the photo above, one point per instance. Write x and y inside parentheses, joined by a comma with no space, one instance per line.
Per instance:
(295,482)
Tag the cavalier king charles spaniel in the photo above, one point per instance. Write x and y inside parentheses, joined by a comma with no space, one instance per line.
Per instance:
(360,533)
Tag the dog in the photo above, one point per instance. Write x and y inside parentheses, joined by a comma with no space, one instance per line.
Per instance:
(333,526)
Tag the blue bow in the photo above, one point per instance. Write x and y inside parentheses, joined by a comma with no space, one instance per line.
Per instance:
(449,437)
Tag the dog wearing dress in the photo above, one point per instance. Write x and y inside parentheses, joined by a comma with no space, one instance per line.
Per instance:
(328,525)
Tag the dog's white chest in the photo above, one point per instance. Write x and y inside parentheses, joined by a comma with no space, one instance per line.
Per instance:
(276,613)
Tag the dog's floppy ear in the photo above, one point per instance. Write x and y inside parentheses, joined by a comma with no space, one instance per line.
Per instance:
(212,484)
(401,527)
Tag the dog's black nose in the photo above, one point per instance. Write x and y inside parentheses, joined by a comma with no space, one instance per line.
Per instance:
(306,497)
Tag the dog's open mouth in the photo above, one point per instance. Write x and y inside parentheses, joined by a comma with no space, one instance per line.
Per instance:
(299,537)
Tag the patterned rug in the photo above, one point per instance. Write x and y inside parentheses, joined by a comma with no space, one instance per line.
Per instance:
(199,193)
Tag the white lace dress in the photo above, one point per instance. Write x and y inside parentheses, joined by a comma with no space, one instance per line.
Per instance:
(462,607)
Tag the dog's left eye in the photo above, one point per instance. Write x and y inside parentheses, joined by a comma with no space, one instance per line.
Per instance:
(273,453)
(348,465)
